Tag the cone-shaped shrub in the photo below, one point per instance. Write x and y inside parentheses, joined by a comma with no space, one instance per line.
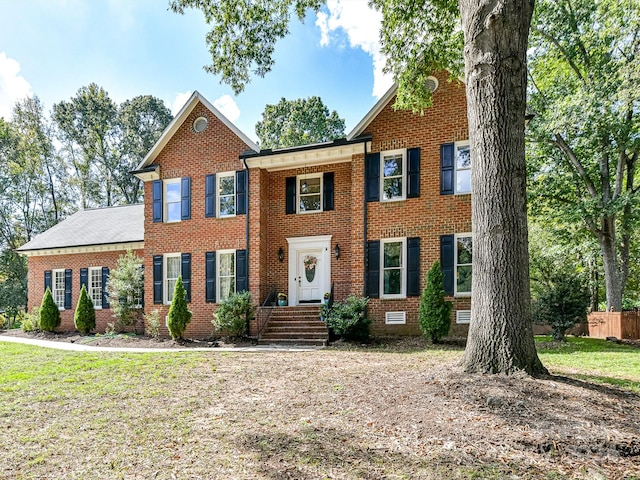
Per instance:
(49,313)
(85,316)
(179,315)
(435,312)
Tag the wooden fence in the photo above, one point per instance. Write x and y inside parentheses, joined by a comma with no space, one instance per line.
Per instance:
(614,324)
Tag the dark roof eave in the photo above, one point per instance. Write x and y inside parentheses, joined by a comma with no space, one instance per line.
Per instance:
(150,168)
(313,146)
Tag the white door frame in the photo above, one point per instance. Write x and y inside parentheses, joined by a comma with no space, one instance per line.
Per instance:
(320,242)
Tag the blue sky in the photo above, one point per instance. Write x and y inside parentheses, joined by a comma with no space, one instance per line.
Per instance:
(51,48)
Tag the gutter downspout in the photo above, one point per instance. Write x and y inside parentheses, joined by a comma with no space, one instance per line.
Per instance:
(364,240)
(246,187)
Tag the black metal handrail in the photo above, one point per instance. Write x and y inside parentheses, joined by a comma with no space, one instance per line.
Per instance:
(267,306)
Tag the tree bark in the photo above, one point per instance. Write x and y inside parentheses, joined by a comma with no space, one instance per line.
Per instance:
(612,274)
(501,332)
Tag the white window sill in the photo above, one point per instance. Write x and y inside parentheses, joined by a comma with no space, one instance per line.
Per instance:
(462,295)
(392,200)
(393,297)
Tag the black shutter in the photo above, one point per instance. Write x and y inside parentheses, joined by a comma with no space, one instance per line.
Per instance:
(413,172)
(242,271)
(373,269)
(241,192)
(372,177)
(327,191)
(67,288)
(142,292)
(185,200)
(413,267)
(157,279)
(84,275)
(447,168)
(47,280)
(156,193)
(291,195)
(210,195)
(105,279)
(210,275)
(447,262)
(185,272)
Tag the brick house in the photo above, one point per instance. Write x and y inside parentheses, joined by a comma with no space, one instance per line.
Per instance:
(364,215)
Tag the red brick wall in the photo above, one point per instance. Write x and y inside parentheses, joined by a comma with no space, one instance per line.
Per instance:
(39,264)
(196,155)
(428,216)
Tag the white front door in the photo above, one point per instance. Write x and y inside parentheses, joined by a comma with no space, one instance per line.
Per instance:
(310,275)
(309,269)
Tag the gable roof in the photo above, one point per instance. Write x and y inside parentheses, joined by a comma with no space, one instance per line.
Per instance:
(179,119)
(373,113)
(100,226)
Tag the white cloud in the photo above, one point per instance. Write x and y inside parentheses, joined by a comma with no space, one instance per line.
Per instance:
(13,87)
(227,107)
(179,101)
(362,26)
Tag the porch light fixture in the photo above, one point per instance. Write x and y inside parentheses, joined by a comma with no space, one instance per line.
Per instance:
(281,255)
(336,251)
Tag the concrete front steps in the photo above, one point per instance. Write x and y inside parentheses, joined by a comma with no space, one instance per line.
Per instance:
(299,325)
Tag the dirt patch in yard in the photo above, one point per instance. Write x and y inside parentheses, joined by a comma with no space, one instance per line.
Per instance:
(390,409)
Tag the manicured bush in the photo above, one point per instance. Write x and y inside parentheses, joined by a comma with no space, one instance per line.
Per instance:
(562,303)
(152,324)
(348,319)
(85,316)
(49,313)
(234,314)
(179,314)
(31,321)
(434,314)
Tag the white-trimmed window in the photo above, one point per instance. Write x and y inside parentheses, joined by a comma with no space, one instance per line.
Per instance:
(172,267)
(172,199)
(57,287)
(393,262)
(463,259)
(94,284)
(393,169)
(226,281)
(463,167)
(226,194)
(309,193)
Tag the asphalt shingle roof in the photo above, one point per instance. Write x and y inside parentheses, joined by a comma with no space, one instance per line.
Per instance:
(93,227)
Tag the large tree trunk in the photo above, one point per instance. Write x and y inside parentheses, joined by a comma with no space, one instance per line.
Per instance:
(612,274)
(501,333)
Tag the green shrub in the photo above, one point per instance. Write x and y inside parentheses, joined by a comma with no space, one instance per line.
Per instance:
(562,303)
(152,324)
(348,319)
(179,314)
(49,313)
(234,314)
(85,316)
(434,314)
(31,321)
(125,287)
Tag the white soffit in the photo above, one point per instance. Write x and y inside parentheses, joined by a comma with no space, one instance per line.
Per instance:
(286,160)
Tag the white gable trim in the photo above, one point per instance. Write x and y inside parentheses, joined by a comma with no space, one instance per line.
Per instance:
(373,113)
(179,119)
(111,247)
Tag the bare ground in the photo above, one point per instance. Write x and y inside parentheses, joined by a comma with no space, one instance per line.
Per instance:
(381,412)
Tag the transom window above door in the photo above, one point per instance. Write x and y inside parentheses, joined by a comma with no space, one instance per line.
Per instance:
(310,193)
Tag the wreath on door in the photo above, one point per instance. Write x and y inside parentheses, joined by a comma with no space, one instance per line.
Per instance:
(310,263)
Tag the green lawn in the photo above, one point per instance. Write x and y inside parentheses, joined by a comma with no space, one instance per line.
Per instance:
(592,359)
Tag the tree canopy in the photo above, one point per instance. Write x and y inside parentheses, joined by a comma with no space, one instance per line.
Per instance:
(585,139)
(298,122)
